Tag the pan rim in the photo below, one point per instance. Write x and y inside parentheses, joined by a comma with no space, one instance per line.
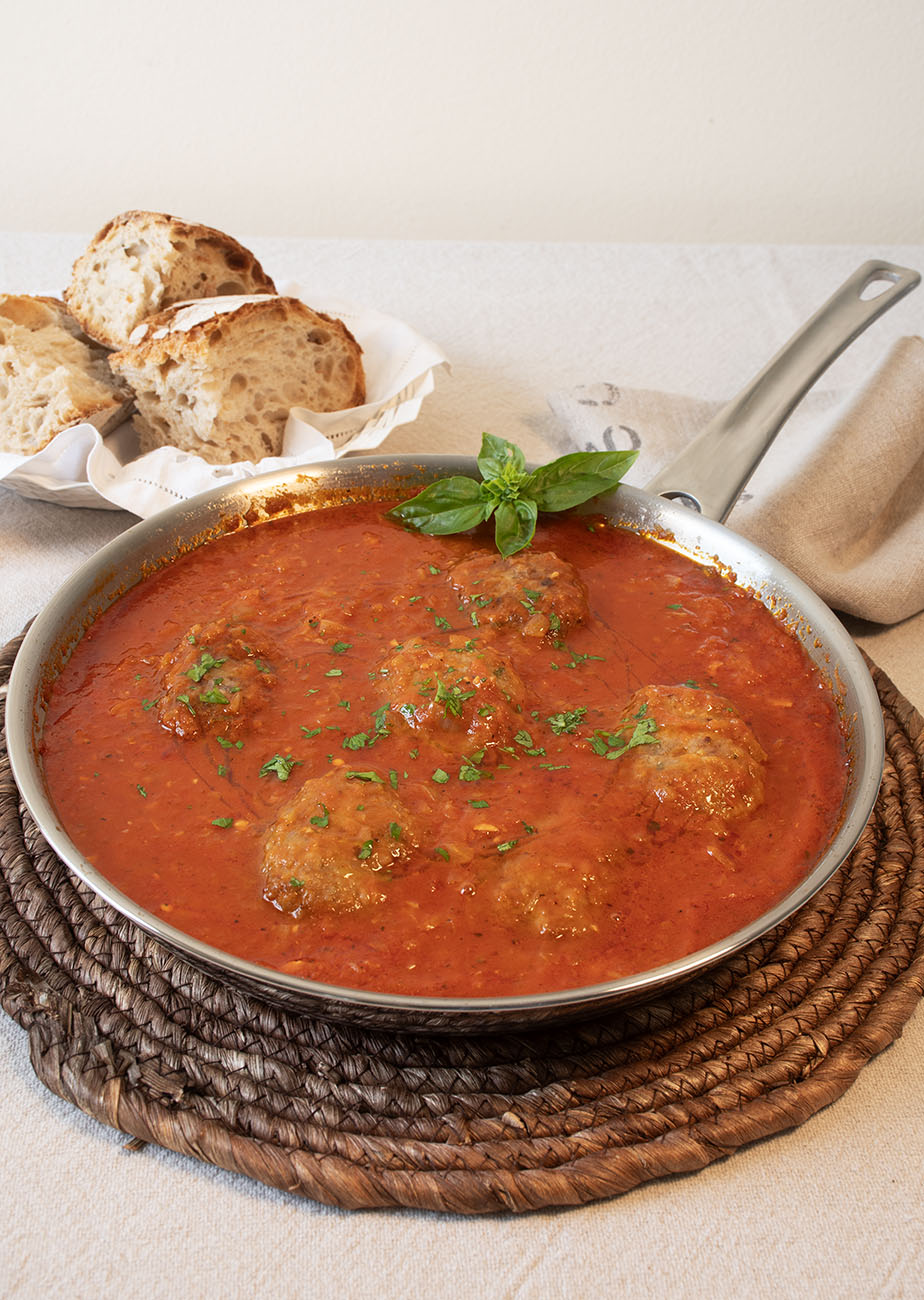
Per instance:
(849,679)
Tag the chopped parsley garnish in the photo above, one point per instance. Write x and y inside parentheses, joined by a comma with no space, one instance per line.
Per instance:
(440,777)
(341,647)
(322,820)
(207,662)
(359,740)
(452,698)
(507,845)
(612,744)
(362,739)
(280,766)
(525,741)
(567,721)
(528,600)
(394,830)
(141,790)
(213,696)
(365,850)
(577,658)
(223,822)
(364,776)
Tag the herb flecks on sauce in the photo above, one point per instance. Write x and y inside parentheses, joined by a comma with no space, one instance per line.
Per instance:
(546,865)
(567,721)
(613,744)
(207,661)
(279,765)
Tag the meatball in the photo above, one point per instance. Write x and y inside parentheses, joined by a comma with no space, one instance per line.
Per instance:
(334,845)
(555,898)
(212,680)
(533,590)
(458,692)
(694,754)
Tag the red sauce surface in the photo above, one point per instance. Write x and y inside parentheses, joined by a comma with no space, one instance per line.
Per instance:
(179,824)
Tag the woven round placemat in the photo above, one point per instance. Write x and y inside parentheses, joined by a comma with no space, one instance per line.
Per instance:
(146,1043)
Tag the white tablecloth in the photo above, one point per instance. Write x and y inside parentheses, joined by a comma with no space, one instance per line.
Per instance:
(833,1208)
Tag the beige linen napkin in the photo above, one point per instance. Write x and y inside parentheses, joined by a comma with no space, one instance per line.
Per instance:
(838,498)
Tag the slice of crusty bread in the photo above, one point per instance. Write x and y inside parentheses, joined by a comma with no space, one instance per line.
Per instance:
(51,375)
(142,262)
(218,378)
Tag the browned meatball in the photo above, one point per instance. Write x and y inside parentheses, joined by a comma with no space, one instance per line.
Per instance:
(333,847)
(212,680)
(699,759)
(533,590)
(556,898)
(458,692)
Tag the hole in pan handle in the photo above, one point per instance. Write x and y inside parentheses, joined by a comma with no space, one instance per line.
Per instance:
(711,471)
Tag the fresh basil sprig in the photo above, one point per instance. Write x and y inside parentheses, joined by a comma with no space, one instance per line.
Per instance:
(510,493)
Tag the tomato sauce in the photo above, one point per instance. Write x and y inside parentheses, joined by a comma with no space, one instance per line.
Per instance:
(539,861)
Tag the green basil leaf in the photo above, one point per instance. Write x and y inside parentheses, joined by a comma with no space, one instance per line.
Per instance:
(507,490)
(451,505)
(514,525)
(496,455)
(574,479)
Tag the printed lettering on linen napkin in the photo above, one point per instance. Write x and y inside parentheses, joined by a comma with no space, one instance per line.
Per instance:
(838,498)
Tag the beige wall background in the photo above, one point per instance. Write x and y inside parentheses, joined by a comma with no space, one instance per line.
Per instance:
(649,120)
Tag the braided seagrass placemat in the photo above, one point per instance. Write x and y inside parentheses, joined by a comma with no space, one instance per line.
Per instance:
(146,1043)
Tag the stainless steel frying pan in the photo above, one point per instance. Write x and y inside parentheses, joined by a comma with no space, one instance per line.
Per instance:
(681,508)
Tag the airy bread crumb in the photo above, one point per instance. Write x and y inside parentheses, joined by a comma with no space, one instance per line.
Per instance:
(51,375)
(143,262)
(221,385)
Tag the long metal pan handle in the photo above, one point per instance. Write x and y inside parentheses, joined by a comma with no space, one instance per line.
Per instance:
(711,471)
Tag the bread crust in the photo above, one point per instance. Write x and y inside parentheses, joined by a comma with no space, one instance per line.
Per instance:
(222,386)
(51,375)
(142,262)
